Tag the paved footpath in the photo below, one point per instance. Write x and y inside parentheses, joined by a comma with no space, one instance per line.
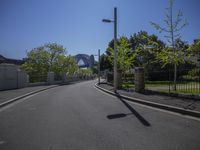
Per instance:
(10,94)
(188,104)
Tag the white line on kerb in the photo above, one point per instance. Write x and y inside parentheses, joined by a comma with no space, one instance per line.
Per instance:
(18,101)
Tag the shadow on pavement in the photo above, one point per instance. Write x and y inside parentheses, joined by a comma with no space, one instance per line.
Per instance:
(73,82)
(133,111)
(120,115)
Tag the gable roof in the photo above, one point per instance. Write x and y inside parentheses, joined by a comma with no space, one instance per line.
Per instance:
(10,60)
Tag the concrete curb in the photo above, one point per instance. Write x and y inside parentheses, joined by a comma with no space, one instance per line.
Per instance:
(33,92)
(25,95)
(153,104)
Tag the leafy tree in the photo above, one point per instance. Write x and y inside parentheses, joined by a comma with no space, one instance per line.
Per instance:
(85,72)
(55,51)
(138,39)
(37,63)
(105,63)
(172,30)
(124,55)
(145,47)
(49,57)
(168,56)
(195,49)
(142,51)
(65,64)
(106,60)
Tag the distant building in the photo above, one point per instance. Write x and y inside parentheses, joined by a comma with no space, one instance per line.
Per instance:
(85,61)
(10,61)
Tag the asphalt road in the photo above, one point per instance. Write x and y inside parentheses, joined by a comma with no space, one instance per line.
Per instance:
(80,117)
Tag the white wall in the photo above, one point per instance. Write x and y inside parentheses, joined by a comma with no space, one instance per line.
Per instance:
(11,77)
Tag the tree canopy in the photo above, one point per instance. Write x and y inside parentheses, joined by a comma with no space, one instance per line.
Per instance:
(49,57)
(124,55)
(138,50)
(172,32)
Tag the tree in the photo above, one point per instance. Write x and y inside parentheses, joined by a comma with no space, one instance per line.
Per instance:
(49,57)
(172,30)
(105,63)
(65,64)
(167,55)
(145,48)
(85,72)
(124,55)
(37,63)
(142,50)
(195,49)
(55,51)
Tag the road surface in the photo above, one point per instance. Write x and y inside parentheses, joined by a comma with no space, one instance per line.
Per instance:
(80,117)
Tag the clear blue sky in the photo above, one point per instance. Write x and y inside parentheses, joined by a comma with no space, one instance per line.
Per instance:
(76,24)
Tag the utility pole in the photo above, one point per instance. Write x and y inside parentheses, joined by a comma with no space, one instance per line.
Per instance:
(115,46)
(115,49)
(99,66)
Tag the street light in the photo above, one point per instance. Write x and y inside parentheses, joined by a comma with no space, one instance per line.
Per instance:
(107,20)
(115,46)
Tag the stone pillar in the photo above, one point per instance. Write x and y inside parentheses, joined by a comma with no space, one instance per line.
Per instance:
(139,79)
(50,78)
(64,77)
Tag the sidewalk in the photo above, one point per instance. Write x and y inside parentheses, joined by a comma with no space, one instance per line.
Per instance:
(187,104)
(10,94)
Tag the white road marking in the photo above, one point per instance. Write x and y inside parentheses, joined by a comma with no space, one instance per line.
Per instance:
(18,101)
(2,142)
(153,108)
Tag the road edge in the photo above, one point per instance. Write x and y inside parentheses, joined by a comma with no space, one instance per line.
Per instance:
(153,104)
(31,93)
(25,95)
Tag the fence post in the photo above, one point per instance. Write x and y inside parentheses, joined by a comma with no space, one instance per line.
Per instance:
(64,77)
(139,79)
(50,78)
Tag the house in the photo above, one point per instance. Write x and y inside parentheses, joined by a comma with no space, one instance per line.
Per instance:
(10,61)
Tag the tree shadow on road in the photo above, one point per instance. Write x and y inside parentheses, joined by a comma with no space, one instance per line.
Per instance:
(71,82)
(133,112)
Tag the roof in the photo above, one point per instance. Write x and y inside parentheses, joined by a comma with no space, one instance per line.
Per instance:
(10,60)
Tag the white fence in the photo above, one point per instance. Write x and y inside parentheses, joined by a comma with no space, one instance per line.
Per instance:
(11,77)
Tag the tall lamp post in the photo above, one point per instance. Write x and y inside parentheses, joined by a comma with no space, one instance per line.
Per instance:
(115,46)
